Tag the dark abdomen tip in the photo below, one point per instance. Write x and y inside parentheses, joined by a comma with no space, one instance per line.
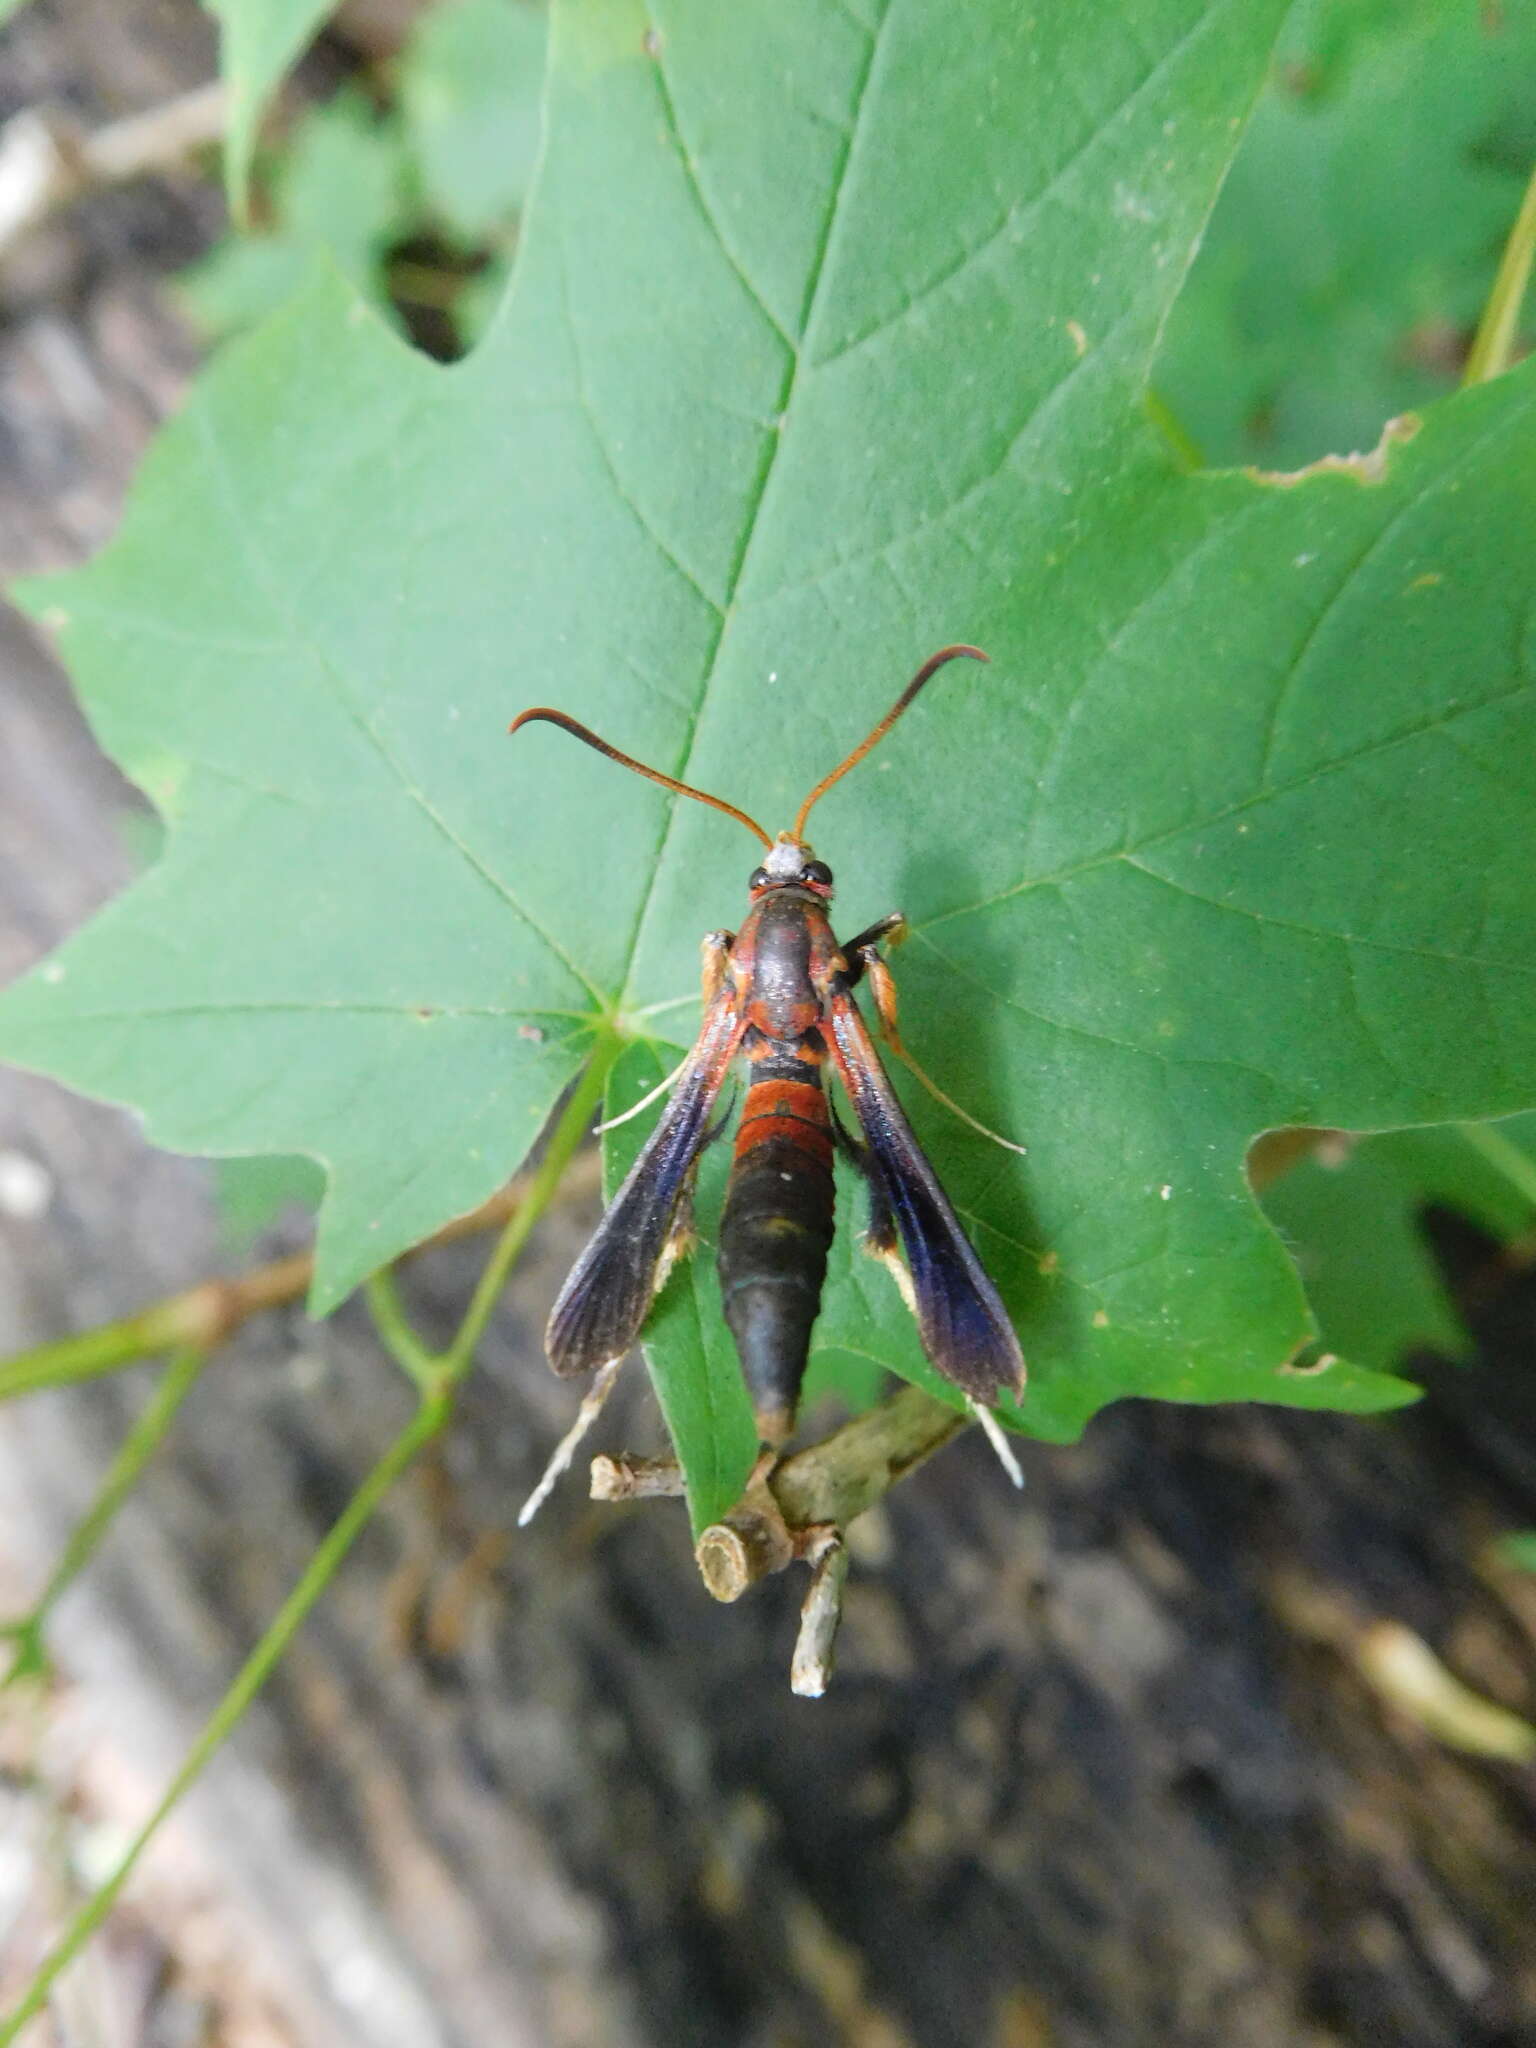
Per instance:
(774,1237)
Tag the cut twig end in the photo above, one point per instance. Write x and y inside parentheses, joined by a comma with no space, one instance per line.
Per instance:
(725,1562)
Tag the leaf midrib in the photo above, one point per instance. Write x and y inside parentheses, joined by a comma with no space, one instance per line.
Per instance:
(774,439)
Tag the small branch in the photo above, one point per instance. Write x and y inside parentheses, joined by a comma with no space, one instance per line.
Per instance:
(823,1487)
(837,1479)
(810,1669)
(627,1477)
(747,1546)
(46,165)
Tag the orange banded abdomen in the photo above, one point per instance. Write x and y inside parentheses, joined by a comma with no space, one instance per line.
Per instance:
(794,1112)
(775,1232)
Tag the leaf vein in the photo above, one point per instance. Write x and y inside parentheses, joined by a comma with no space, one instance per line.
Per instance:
(201,414)
(605,453)
(1436,723)
(695,185)
(1398,946)
(1021,212)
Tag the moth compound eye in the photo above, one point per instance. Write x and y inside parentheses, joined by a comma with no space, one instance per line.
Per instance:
(759,879)
(817,871)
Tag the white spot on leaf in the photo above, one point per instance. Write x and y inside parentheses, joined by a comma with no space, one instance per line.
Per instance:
(26,1187)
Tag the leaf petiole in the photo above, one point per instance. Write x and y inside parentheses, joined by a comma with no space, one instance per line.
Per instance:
(394,1329)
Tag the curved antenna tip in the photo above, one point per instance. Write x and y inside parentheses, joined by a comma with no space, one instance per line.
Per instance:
(929,668)
(589,738)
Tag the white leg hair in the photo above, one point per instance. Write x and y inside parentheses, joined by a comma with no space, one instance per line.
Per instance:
(612,1123)
(570,1443)
(996,1437)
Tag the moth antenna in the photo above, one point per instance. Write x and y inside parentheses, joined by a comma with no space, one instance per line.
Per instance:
(929,668)
(949,1102)
(590,738)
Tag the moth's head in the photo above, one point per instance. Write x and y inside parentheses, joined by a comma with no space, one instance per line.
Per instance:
(791,865)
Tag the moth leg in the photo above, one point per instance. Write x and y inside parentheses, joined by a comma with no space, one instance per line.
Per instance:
(992,1429)
(565,1451)
(612,1123)
(892,928)
(716,1130)
(882,986)
(845,1141)
(880,1241)
(682,1237)
(715,951)
(879,1236)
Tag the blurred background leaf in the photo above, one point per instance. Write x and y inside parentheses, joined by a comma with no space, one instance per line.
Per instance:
(254,1192)
(337,187)
(1354,243)
(1352,1217)
(469,97)
(411,186)
(258,40)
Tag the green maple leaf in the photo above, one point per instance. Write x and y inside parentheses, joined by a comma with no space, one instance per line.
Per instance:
(826,345)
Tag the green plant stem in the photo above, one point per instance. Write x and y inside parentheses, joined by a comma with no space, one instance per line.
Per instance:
(394,1328)
(254,1673)
(564,1140)
(1494,342)
(184,1321)
(142,1441)
(436,1377)
(1503,1156)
